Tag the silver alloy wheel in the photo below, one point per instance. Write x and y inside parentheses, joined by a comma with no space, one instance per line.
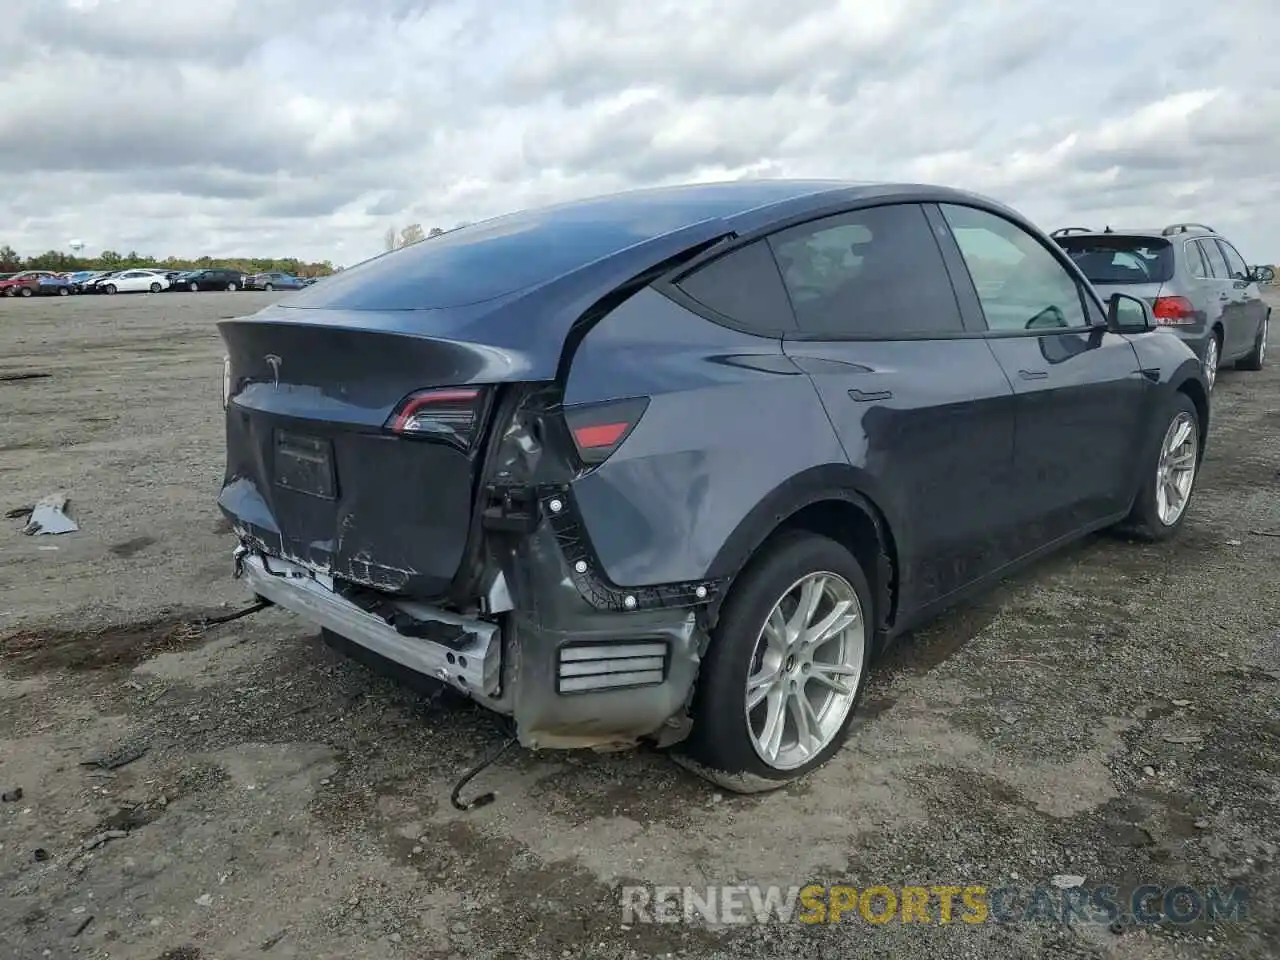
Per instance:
(1176,471)
(1211,361)
(805,669)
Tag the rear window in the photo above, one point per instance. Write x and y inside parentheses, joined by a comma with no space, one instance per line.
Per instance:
(1113,260)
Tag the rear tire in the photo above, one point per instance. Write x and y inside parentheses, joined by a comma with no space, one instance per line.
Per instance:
(758,651)
(1151,519)
(231,287)
(1258,357)
(1212,358)
(268,287)
(27,292)
(155,288)
(63,292)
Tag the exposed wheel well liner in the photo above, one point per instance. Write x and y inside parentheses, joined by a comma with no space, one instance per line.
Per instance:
(823,500)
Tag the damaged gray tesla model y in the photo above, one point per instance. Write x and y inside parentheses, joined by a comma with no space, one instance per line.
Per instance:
(673,465)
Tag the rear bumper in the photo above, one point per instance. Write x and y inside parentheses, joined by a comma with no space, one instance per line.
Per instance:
(473,666)
(570,675)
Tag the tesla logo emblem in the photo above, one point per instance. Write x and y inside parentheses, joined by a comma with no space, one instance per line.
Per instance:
(274,363)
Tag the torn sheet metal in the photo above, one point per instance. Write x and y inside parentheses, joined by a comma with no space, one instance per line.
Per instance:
(49,516)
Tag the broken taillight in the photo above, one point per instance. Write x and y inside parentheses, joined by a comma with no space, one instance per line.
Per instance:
(599,428)
(453,415)
(1173,311)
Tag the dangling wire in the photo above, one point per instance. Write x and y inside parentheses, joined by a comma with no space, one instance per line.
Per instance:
(228,617)
(485,798)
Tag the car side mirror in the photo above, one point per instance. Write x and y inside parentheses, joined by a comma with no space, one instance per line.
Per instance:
(1126,314)
(1262,274)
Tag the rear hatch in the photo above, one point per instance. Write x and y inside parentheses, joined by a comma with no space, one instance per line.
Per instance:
(361,409)
(1136,265)
(340,456)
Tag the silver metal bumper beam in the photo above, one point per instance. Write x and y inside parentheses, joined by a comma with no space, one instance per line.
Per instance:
(474,667)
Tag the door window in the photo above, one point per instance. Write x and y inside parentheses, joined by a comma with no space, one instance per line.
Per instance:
(872,273)
(1020,283)
(1217,262)
(1236,267)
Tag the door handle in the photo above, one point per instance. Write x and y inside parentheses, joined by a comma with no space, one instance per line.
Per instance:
(1034,374)
(863,396)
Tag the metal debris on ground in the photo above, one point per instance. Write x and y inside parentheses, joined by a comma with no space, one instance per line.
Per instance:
(15,377)
(118,756)
(99,839)
(82,925)
(49,516)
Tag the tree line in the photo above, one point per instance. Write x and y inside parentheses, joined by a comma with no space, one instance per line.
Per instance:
(394,239)
(11,262)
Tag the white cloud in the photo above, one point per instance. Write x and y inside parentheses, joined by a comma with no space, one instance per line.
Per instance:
(290,127)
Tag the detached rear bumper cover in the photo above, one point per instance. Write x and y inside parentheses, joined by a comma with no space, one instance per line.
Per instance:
(473,666)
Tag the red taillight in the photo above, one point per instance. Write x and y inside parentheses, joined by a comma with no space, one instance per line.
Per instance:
(1173,311)
(454,415)
(599,428)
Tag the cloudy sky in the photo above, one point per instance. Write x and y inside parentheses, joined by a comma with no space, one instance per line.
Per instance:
(307,127)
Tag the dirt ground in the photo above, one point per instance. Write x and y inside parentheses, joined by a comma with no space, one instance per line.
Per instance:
(1111,714)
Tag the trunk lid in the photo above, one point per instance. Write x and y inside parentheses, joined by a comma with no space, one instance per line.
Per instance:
(315,474)
(1145,291)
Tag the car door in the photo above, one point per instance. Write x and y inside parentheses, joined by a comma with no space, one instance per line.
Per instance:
(1246,298)
(1081,394)
(917,403)
(1227,297)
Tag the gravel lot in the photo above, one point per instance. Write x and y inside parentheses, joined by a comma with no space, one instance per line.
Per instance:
(1110,714)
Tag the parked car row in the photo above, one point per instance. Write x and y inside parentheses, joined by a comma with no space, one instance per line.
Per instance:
(32,283)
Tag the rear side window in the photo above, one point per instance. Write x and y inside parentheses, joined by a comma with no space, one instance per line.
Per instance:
(1235,263)
(1195,260)
(744,287)
(1112,259)
(1217,262)
(873,273)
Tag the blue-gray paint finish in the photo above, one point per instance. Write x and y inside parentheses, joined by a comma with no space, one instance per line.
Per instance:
(935,449)
(730,418)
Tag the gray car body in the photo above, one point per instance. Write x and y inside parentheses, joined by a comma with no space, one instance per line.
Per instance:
(1232,308)
(940,469)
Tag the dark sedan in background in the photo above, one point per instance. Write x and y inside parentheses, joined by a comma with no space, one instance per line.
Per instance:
(214,279)
(673,465)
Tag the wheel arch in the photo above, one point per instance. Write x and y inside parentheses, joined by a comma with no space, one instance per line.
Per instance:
(837,501)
